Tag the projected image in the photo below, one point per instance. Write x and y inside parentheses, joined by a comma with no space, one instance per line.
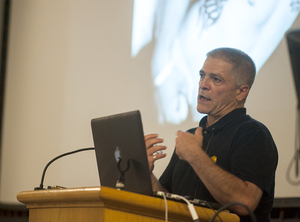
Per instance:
(184,31)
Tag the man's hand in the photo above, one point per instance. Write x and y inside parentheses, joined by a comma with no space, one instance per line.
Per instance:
(188,145)
(153,150)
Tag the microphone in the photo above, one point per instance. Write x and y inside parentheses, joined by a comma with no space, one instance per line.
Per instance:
(41,187)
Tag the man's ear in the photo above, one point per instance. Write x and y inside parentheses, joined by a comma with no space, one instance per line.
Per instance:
(242,92)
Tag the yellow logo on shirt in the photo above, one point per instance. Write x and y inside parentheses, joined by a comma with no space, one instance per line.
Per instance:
(214,158)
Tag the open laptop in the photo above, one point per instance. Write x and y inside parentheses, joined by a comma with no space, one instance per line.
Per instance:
(121,136)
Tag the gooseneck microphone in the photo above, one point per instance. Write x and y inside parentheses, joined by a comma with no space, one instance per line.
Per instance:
(41,187)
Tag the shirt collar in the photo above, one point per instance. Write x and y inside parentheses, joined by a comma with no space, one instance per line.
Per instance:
(223,121)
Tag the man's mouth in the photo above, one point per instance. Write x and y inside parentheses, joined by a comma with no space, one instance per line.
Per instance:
(203,98)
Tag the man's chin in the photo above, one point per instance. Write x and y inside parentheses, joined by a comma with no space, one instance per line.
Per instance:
(202,110)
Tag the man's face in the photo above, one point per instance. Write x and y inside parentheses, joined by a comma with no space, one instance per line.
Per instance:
(217,90)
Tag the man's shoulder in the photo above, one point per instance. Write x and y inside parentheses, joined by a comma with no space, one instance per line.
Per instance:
(250,128)
(249,122)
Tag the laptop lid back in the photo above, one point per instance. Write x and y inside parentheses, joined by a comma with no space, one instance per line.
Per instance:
(121,136)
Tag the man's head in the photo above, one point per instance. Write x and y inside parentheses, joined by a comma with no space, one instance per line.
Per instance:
(225,79)
(243,70)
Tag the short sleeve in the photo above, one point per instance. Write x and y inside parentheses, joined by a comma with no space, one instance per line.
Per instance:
(255,157)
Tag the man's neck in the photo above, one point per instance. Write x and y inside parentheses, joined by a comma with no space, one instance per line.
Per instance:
(212,119)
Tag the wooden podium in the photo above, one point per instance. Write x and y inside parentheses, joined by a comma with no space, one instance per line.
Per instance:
(103,204)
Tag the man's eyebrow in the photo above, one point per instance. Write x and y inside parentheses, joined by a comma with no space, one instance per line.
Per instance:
(218,76)
(212,75)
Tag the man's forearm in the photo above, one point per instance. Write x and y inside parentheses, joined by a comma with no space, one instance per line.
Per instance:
(226,187)
(156,186)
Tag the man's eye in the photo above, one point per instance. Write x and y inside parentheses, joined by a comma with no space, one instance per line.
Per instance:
(217,80)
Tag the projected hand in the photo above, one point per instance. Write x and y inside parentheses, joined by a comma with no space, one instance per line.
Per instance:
(153,150)
(185,31)
(172,95)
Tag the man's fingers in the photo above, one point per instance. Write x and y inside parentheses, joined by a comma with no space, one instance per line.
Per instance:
(154,149)
(151,140)
(157,156)
(153,158)
(150,136)
(180,132)
(198,131)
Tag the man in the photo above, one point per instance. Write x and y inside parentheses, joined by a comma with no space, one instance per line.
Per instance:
(230,157)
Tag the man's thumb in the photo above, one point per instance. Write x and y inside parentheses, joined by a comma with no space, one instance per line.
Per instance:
(198,131)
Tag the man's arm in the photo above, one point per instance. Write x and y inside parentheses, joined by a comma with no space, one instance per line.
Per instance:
(223,186)
(156,186)
(151,142)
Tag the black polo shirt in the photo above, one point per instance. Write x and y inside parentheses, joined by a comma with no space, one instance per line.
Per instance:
(239,145)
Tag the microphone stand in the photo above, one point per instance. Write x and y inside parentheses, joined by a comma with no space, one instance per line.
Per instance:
(41,187)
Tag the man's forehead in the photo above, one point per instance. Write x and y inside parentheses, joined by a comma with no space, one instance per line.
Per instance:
(216,65)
